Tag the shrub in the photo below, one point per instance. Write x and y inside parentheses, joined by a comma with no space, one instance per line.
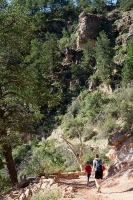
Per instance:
(21,153)
(4,181)
(46,158)
(52,195)
(72,168)
(108,127)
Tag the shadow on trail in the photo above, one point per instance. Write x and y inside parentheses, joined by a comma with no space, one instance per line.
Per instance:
(130,189)
(76,184)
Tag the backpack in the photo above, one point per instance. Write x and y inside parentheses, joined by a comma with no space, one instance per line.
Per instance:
(98,164)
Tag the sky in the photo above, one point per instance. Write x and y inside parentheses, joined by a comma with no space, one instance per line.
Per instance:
(114,1)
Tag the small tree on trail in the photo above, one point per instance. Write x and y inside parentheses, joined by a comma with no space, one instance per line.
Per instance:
(77,152)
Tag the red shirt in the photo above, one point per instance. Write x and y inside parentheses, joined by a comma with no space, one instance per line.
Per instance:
(103,167)
(88,169)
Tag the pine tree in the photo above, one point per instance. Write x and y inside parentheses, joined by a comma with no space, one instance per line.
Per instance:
(103,55)
(19,80)
(127,71)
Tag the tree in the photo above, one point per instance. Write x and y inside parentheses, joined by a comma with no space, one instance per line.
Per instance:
(15,78)
(77,152)
(127,71)
(99,4)
(125,4)
(19,81)
(88,60)
(3,4)
(84,3)
(45,57)
(103,55)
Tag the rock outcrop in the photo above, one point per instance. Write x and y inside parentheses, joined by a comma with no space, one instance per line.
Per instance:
(124,28)
(44,185)
(88,28)
(122,151)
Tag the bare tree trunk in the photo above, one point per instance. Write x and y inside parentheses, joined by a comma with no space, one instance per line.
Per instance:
(77,152)
(7,151)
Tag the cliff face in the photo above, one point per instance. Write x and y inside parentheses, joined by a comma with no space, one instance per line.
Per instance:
(119,29)
(124,28)
(88,28)
(121,152)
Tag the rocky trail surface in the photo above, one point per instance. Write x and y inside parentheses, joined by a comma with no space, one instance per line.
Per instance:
(119,187)
(116,187)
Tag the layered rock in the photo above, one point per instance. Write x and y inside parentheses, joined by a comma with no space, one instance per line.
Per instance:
(122,151)
(125,25)
(88,28)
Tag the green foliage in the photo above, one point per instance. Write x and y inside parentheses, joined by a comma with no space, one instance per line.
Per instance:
(84,111)
(4,181)
(126,5)
(46,158)
(72,168)
(99,5)
(68,39)
(15,140)
(127,71)
(21,153)
(108,126)
(52,195)
(89,9)
(34,142)
(124,99)
(18,78)
(104,54)
(83,3)
(104,158)
(45,58)
(88,61)
(108,113)
(89,155)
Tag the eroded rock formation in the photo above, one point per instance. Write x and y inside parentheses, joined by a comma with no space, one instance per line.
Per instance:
(88,28)
(121,152)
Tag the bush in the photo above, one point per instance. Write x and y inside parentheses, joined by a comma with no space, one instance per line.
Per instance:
(4,182)
(72,168)
(21,153)
(108,127)
(52,195)
(46,158)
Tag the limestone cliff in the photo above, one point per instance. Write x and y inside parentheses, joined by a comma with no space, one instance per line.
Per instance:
(122,150)
(88,28)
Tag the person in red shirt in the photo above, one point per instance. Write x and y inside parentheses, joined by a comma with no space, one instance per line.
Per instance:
(103,167)
(104,170)
(88,170)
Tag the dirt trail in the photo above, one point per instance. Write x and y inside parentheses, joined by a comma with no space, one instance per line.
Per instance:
(116,188)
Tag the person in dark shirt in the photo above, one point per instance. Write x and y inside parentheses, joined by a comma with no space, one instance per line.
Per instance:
(88,170)
(97,162)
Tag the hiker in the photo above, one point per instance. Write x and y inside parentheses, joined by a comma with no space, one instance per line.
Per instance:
(88,170)
(97,169)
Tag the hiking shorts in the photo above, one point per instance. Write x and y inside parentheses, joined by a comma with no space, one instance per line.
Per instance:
(88,176)
(98,174)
